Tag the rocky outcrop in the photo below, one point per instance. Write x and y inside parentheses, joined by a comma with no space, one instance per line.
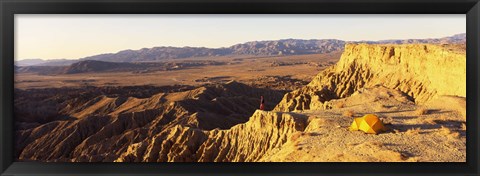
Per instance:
(420,70)
(126,139)
(242,143)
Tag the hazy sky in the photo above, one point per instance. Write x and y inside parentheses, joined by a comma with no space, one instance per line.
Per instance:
(75,36)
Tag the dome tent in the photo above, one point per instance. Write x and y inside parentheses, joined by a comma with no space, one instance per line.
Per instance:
(369,123)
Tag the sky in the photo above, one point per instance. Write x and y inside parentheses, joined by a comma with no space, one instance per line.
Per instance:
(73,36)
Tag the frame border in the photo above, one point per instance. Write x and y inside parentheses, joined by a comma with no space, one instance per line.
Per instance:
(8,8)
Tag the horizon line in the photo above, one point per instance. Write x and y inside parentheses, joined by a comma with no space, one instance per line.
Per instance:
(186,46)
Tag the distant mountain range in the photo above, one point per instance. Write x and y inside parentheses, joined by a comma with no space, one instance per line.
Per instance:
(458,38)
(94,66)
(41,62)
(261,48)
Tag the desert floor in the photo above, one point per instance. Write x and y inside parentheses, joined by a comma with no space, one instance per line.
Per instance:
(246,69)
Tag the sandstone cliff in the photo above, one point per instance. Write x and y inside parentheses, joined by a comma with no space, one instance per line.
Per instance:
(80,128)
(422,71)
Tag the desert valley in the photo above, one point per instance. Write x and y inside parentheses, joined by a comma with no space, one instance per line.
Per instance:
(171,104)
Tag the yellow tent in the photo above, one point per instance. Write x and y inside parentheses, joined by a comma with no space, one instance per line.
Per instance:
(369,123)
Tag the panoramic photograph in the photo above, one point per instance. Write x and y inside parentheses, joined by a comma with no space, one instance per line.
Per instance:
(240,88)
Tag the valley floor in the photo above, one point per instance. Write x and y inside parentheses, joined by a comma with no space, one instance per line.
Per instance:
(256,71)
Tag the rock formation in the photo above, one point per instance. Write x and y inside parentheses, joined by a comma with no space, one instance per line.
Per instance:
(82,128)
(423,71)
(242,143)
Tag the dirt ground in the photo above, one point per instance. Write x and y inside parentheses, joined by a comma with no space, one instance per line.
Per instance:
(247,69)
(431,132)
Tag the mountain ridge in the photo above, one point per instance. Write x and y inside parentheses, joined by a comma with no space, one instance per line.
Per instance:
(263,48)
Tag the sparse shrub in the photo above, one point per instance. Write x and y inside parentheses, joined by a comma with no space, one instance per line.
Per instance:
(296,135)
(413,131)
(349,113)
(379,107)
(376,143)
(421,111)
(296,143)
(384,94)
(443,118)
(429,120)
(402,156)
(387,120)
(310,119)
(449,133)
(316,124)
(339,104)
(352,144)
(444,130)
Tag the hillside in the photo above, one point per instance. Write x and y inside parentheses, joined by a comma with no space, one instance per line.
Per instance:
(419,70)
(242,143)
(41,70)
(105,119)
(97,66)
(29,62)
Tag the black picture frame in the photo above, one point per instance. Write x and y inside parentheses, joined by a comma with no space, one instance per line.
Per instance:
(8,8)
